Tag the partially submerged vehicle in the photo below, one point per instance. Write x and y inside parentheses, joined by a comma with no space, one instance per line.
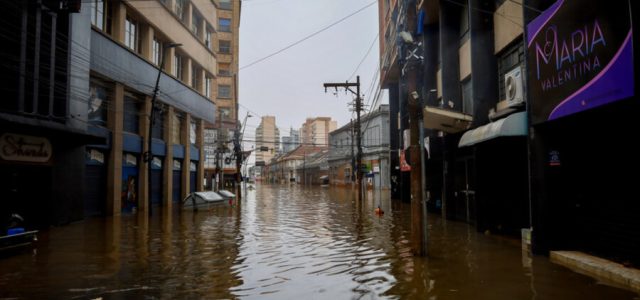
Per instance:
(202,200)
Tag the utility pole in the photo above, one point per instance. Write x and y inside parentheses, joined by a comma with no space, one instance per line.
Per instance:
(353,157)
(410,72)
(347,86)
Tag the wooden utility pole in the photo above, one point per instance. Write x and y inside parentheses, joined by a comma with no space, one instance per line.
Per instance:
(347,86)
(411,67)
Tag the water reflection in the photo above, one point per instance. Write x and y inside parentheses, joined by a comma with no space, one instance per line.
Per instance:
(285,242)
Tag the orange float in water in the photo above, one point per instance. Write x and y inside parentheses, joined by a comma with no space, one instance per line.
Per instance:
(379,211)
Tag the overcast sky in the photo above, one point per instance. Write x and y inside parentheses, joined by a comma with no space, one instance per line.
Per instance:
(289,85)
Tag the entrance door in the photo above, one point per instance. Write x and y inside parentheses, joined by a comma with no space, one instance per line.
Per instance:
(464,190)
(177,180)
(156,181)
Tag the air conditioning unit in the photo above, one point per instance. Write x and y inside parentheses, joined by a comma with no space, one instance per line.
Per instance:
(513,88)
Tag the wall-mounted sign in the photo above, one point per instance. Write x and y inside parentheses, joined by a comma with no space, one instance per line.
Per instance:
(193,167)
(177,165)
(156,162)
(554,158)
(130,160)
(96,156)
(580,56)
(25,148)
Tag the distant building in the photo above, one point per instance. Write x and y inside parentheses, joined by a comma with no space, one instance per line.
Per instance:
(315,131)
(267,139)
(292,141)
(375,148)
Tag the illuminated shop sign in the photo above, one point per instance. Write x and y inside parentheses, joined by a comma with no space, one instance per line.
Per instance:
(580,56)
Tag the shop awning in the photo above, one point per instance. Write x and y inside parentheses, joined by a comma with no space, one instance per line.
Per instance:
(445,120)
(513,125)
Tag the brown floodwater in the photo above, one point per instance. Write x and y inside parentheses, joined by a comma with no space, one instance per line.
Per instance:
(285,242)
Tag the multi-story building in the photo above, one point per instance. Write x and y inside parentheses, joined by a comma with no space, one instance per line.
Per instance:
(509,112)
(118,50)
(315,131)
(267,139)
(43,130)
(292,141)
(375,150)
(225,43)
(91,96)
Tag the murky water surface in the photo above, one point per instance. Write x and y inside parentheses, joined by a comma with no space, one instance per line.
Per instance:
(285,242)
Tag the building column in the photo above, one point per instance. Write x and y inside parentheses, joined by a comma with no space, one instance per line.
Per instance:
(143,180)
(118,20)
(200,145)
(186,164)
(114,173)
(169,57)
(146,42)
(484,87)
(167,189)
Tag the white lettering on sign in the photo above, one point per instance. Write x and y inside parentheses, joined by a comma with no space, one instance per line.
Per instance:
(16,147)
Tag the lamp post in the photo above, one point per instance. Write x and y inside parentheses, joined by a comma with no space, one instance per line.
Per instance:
(148,156)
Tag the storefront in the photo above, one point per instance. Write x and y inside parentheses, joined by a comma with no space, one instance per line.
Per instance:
(95,182)
(583,112)
(177,180)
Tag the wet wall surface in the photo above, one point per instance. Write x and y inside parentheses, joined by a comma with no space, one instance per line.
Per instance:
(285,242)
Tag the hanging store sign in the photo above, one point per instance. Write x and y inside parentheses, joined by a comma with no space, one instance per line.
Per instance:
(580,56)
(25,148)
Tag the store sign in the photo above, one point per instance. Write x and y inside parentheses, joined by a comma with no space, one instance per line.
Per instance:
(580,56)
(25,148)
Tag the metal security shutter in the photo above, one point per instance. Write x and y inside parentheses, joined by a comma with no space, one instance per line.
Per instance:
(95,182)
(177,186)
(156,186)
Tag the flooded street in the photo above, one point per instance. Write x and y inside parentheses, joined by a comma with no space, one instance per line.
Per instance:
(285,242)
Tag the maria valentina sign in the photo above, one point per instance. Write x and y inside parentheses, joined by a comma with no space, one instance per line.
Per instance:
(580,56)
(25,148)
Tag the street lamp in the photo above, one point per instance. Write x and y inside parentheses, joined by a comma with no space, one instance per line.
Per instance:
(148,156)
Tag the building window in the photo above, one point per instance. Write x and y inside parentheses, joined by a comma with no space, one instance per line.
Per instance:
(194,77)
(224,91)
(131,122)
(156,52)
(131,34)
(464,24)
(98,104)
(224,25)
(207,39)
(224,46)
(177,66)
(207,87)
(180,9)
(97,14)
(225,4)
(196,20)
(467,97)
(224,69)
(510,58)
(225,113)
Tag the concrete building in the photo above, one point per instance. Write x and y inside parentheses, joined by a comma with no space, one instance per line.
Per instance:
(43,129)
(315,131)
(267,139)
(375,148)
(225,43)
(508,116)
(292,141)
(117,51)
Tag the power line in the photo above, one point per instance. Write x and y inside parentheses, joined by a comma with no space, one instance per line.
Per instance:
(308,36)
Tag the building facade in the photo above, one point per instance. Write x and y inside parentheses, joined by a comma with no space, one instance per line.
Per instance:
(375,151)
(315,131)
(225,44)
(43,130)
(513,93)
(119,48)
(292,141)
(267,139)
